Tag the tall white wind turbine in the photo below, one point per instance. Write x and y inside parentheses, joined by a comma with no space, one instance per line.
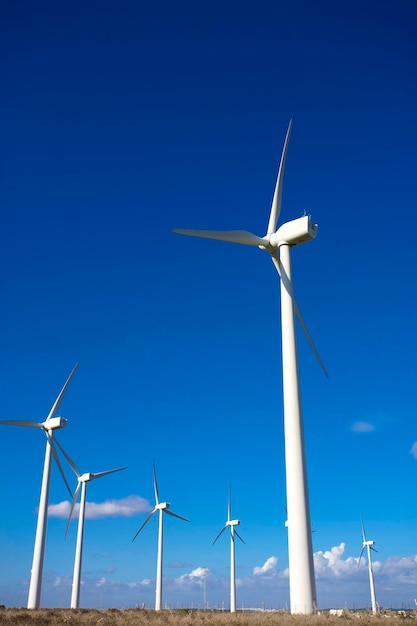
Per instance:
(83,479)
(368,544)
(49,426)
(231,523)
(278,242)
(162,507)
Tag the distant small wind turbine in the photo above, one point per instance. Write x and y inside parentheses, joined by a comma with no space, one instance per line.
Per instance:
(278,242)
(83,479)
(368,544)
(162,507)
(231,523)
(49,426)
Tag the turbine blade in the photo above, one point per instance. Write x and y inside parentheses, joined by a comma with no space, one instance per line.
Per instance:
(27,423)
(229,505)
(58,462)
(58,401)
(309,339)
(220,533)
(70,461)
(74,500)
(145,522)
(237,535)
(360,556)
(175,515)
(277,199)
(285,282)
(363,528)
(374,549)
(100,474)
(155,484)
(233,236)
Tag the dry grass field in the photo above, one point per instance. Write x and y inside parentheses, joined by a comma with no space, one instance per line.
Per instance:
(144,617)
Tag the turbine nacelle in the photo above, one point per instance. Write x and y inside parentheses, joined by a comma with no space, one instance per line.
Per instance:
(293,233)
(233,522)
(162,506)
(54,423)
(368,543)
(85,478)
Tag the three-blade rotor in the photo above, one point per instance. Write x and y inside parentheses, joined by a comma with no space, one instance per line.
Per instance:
(272,240)
(159,506)
(82,478)
(230,523)
(365,543)
(49,426)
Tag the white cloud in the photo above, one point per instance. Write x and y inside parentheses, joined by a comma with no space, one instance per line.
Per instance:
(126,507)
(197,575)
(142,583)
(413,450)
(61,509)
(199,572)
(269,567)
(341,582)
(330,564)
(401,569)
(363,427)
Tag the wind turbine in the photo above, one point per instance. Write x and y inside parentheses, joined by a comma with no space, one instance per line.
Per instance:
(231,523)
(278,242)
(49,426)
(368,544)
(83,479)
(162,507)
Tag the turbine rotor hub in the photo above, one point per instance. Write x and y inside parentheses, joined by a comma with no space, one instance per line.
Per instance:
(268,247)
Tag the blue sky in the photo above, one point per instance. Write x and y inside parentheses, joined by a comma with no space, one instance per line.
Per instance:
(122,121)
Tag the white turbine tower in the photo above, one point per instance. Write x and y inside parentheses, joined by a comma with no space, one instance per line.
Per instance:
(83,479)
(231,523)
(162,507)
(49,426)
(278,242)
(368,544)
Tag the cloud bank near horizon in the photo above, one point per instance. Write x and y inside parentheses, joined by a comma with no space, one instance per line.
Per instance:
(126,507)
(340,583)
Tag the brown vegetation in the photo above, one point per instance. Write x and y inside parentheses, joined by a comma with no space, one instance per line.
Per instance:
(185,617)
